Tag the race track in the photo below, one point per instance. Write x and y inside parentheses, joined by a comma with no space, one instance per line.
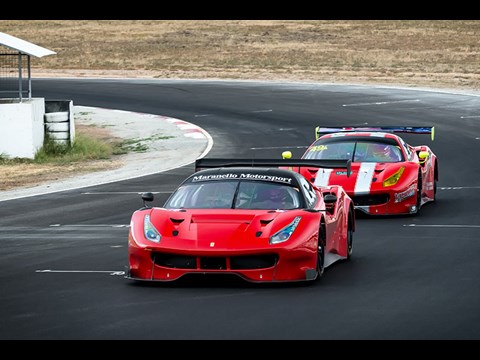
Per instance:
(62,254)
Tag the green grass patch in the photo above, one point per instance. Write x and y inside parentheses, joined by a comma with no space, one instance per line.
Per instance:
(84,148)
(137,145)
(126,146)
(158,137)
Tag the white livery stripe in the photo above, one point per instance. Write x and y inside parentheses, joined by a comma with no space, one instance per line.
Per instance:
(323,177)
(364,178)
(378,134)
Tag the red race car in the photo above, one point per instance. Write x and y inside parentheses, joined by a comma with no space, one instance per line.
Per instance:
(243,217)
(388,176)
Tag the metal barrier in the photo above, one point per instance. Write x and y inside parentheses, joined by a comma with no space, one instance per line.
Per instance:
(14,83)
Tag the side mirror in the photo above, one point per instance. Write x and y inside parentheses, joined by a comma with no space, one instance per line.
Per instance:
(286,155)
(330,199)
(147,197)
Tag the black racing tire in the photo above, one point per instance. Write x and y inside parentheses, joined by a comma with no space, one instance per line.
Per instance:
(322,235)
(350,235)
(419,191)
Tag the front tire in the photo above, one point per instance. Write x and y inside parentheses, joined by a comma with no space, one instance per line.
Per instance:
(322,237)
(419,191)
(350,236)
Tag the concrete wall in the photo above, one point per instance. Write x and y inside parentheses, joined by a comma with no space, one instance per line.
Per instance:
(22,128)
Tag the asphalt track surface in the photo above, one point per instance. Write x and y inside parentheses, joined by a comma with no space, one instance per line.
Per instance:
(62,254)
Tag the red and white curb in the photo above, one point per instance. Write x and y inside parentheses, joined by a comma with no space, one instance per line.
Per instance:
(189,130)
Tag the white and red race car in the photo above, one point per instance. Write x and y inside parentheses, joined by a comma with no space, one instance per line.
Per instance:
(388,176)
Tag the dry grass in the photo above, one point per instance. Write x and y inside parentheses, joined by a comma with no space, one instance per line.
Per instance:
(437,53)
(15,176)
(26,175)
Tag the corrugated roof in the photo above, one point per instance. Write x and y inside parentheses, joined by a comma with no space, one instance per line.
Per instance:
(23,46)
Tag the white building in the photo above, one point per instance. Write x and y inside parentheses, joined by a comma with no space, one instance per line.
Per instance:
(22,129)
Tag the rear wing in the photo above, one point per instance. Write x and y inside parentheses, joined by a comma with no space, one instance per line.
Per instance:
(319,131)
(219,162)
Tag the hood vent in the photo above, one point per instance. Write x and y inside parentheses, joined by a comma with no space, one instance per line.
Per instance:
(265,222)
(176,221)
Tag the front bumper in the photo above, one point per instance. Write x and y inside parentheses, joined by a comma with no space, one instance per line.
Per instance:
(255,266)
(391,202)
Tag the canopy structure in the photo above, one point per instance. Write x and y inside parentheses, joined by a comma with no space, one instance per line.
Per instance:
(9,61)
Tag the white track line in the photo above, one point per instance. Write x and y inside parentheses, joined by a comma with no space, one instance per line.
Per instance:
(91,225)
(442,226)
(123,192)
(382,102)
(112,272)
(458,187)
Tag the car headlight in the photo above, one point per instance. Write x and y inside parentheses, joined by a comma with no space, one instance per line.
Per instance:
(149,230)
(392,180)
(286,232)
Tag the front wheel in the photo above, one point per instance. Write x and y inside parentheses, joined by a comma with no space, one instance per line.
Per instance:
(320,260)
(322,235)
(350,236)
(419,191)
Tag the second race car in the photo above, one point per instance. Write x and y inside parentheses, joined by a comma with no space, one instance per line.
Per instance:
(388,176)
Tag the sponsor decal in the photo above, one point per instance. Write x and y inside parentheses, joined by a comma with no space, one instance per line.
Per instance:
(249,176)
(319,148)
(399,197)
(266,177)
(214,177)
(341,173)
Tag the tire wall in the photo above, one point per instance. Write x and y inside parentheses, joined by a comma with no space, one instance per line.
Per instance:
(59,121)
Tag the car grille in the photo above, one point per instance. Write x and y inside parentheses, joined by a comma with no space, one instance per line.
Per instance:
(367,200)
(174,261)
(244,262)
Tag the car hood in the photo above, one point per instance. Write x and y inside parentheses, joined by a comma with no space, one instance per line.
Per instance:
(219,229)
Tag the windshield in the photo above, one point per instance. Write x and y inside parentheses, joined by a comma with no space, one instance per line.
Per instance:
(357,151)
(235,195)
